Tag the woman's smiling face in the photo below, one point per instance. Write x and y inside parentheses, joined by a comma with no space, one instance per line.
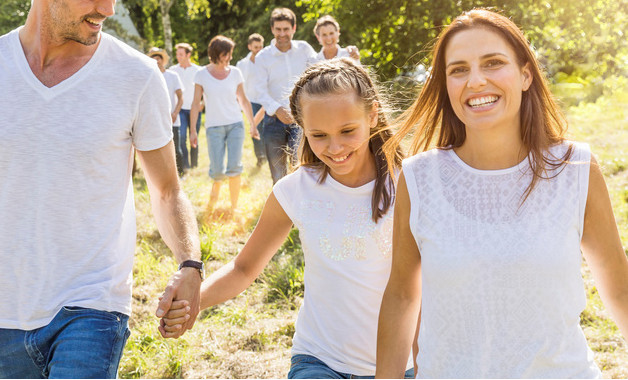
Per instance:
(484,79)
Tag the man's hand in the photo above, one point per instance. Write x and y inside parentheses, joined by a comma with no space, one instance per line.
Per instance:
(254,133)
(284,115)
(173,116)
(185,284)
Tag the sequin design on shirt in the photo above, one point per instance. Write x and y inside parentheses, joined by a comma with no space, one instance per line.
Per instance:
(357,229)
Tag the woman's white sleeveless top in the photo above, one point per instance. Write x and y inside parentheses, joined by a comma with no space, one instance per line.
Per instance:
(502,290)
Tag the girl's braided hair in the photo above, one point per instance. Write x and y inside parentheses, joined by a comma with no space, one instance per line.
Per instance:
(339,76)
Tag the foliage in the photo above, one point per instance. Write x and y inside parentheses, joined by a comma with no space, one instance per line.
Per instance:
(13,14)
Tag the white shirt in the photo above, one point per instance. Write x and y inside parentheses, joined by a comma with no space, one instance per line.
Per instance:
(173,83)
(67,235)
(222,107)
(347,265)
(187,78)
(276,72)
(340,53)
(246,67)
(502,290)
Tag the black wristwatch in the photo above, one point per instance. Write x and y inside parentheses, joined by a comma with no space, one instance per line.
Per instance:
(194,264)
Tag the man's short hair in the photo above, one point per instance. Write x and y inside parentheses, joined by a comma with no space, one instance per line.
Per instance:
(283,14)
(326,20)
(256,37)
(218,46)
(185,46)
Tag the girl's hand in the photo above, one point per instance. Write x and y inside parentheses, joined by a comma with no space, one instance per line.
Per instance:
(175,318)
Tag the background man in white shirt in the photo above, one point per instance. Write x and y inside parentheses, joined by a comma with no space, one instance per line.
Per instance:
(277,68)
(186,70)
(255,44)
(83,101)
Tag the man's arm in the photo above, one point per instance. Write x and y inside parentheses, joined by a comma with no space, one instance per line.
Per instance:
(177,108)
(177,225)
(261,77)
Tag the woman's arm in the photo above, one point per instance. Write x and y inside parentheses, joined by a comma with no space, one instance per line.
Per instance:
(603,251)
(234,277)
(401,303)
(194,113)
(245,105)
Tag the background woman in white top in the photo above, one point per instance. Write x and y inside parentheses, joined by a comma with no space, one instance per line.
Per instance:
(490,224)
(221,86)
(340,199)
(327,31)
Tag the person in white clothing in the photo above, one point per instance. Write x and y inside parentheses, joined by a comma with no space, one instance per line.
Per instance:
(490,224)
(175,91)
(83,101)
(222,87)
(187,70)
(277,67)
(255,44)
(340,199)
(327,31)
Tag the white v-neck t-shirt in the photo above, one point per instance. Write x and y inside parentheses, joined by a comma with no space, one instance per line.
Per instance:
(67,232)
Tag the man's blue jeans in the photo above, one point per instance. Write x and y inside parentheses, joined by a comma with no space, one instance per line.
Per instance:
(309,367)
(184,116)
(281,142)
(77,343)
(258,145)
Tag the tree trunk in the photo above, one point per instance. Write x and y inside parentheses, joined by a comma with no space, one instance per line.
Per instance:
(164,6)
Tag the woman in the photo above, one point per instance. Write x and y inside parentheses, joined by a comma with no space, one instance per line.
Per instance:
(221,86)
(327,31)
(340,200)
(489,225)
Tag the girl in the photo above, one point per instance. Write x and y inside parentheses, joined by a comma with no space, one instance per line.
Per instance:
(490,224)
(340,199)
(221,86)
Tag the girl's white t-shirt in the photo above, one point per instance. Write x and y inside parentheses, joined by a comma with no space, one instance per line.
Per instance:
(502,290)
(221,103)
(347,265)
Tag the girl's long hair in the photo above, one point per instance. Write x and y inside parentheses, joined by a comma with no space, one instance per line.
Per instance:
(542,122)
(341,76)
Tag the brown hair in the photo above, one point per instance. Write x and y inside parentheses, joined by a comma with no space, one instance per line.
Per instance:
(185,46)
(218,46)
(326,20)
(283,14)
(339,76)
(255,37)
(542,124)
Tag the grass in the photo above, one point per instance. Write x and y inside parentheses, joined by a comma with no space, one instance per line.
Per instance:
(250,336)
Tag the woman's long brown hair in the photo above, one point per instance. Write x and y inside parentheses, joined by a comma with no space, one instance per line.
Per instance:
(542,122)
(341,76)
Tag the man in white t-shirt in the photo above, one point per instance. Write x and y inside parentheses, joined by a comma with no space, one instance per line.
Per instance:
(175,92)
(277,68)
(186,70)
(255,44)
(82,100)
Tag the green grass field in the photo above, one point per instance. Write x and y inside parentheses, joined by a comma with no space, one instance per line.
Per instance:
(250,336)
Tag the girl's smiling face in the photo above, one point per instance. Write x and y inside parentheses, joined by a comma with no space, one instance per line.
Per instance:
(337,128)
(484,80)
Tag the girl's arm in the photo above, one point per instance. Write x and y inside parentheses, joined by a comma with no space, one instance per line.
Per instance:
(194,113)
(245,105)
(603,251)
(233,278)
(401,303)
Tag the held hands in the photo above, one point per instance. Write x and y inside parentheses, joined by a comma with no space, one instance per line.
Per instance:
(284,115)
(182,289)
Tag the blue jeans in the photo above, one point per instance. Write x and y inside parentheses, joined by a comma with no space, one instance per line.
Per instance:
(281,141)
(223,138)
(177,150)
(309,367)
(77,343)
(258,145)
(184,116)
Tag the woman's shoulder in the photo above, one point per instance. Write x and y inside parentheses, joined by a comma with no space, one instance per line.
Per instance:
(570,151)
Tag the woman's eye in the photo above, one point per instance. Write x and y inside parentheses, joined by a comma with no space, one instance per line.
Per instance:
(457,70)
(494,63)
